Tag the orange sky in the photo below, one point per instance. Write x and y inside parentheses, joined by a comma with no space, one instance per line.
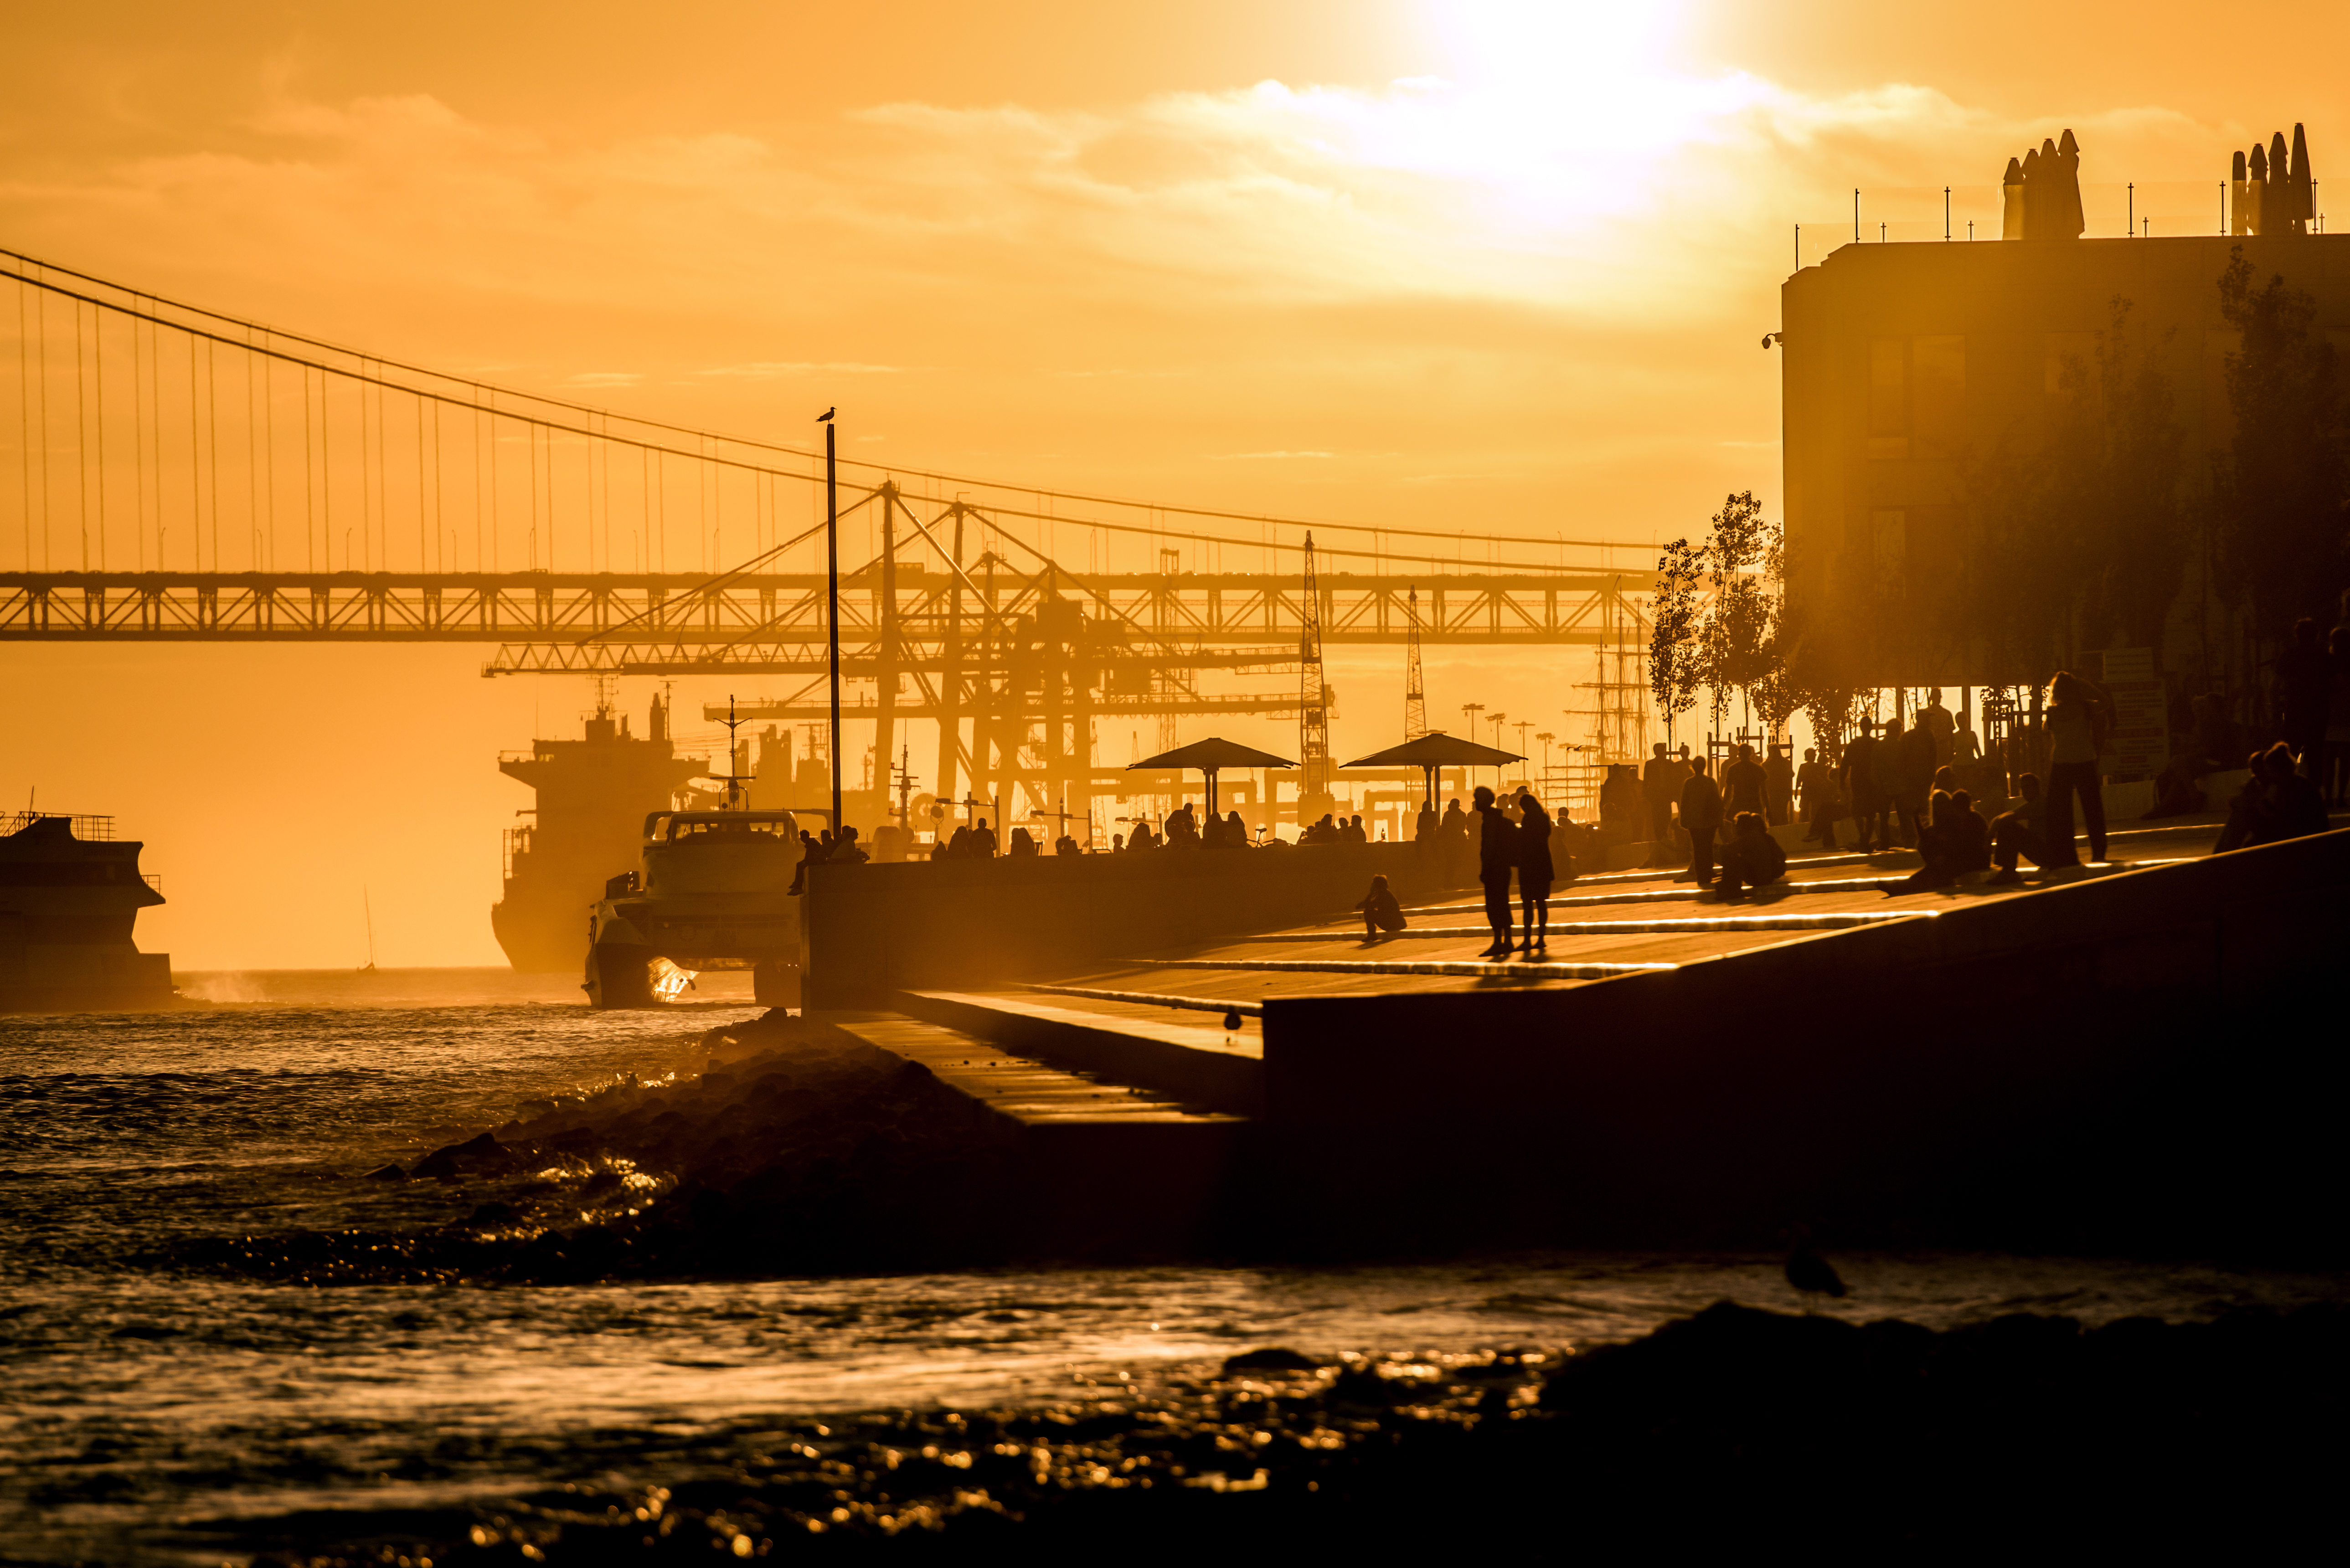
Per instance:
(1499,268)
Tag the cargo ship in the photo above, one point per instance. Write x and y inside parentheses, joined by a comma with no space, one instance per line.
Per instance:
(593,796)
(70,893)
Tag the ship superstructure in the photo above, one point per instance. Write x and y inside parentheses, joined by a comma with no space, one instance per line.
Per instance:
(594,795)
(70,893)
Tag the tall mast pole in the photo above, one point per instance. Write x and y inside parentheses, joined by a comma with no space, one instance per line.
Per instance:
(1414,691)
(832,611)
(1313,699)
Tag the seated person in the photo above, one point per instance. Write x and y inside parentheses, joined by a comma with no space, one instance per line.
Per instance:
(1236,833)
(1021,844)
(1953,840)
(2017,833)
(1752,858)
(2278,804)
(2297,803)
(1974,844)
(1064,845)
(844,851)
(1379,909)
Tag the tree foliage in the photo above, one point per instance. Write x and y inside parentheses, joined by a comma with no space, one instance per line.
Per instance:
(2280,521)
(2081,536)
(1675,661)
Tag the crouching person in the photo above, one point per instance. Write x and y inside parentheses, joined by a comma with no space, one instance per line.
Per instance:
(1752,858)
(1379,909)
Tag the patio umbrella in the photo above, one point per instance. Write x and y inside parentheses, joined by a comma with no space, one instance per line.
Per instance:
(1433,751)
(1210,756)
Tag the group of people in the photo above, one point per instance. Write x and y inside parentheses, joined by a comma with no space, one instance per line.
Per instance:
(1765,786)
(1185,830)
(1751,857)
(1515,842)
(825,847)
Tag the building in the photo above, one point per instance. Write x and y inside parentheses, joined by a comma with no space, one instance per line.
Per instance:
(1909,368)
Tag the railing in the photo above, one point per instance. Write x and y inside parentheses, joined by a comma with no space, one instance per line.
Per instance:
(153,879)
(89,829)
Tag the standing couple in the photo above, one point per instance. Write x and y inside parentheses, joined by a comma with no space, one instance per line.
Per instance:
(1522,846)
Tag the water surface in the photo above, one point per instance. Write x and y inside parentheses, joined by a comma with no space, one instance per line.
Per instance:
(140,1398)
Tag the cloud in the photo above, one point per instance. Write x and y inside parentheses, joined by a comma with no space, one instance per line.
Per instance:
(769,370)
(1257,456)
(603,378)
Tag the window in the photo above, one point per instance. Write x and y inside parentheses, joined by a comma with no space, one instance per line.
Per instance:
(1888,398)
(1938,396)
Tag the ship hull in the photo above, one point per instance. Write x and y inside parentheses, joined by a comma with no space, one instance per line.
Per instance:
(87,979)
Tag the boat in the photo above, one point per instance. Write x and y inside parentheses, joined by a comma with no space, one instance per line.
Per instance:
(367,909)
(70,892)
(592,794)
(713,890)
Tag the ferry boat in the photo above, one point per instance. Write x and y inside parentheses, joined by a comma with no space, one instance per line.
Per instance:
(714,893)
(70,893)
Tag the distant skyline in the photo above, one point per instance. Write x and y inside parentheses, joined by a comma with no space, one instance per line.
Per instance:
(1496,268)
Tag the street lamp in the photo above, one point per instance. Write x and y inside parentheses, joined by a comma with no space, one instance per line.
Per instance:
(1469,711)
(1497,720)
(832,600)
(1545,737)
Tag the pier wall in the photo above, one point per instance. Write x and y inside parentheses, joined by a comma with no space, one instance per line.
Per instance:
(870,930)
(2146,1058)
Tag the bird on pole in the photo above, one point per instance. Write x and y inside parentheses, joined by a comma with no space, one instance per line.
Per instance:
(825,418)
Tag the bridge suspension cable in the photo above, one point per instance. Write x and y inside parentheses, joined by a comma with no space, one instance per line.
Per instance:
(542,422)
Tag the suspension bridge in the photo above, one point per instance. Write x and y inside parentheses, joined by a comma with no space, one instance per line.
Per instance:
(181,474)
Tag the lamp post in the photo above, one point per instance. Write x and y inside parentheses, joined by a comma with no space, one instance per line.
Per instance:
(1545,737)
(1469,711)
(1497,720)
(832,602)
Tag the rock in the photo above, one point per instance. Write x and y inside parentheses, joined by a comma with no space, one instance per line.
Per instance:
(386,1173)
(1273,1360)
(442,1163)
(494,1213)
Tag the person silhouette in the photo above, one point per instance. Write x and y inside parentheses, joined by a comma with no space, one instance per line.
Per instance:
(2076,736)
(1535,869)
(1701,818)
(1379,911)
(1751,860)
(1495,851)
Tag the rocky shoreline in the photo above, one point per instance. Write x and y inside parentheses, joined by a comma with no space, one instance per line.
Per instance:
(1735,1426)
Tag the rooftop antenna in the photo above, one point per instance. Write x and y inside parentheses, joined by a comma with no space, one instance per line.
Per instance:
(1415,690)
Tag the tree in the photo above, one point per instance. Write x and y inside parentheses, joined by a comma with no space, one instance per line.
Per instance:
(2080,536)
(1741,555)
(1675,658)
(2281,532)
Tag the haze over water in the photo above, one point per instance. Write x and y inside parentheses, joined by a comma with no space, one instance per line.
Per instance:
(140,1398)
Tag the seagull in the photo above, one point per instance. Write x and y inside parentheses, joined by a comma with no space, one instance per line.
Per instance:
(1810,1272)
(826,417)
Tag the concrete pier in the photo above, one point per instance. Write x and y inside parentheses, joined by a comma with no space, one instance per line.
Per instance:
(2056,1061)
